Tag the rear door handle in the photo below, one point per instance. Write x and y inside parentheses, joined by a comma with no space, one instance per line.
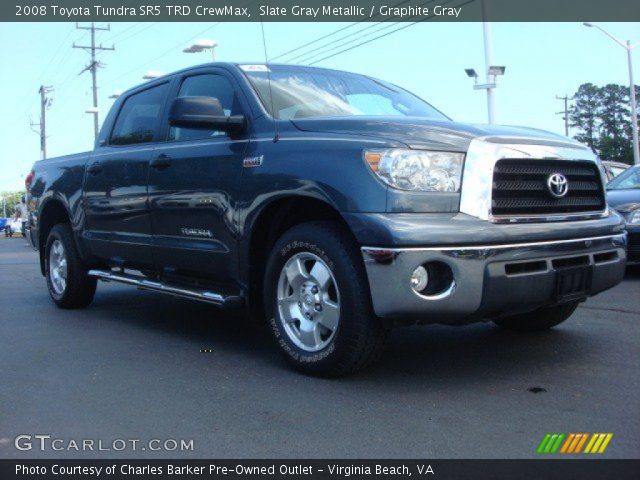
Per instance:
(95,168)
(161,162)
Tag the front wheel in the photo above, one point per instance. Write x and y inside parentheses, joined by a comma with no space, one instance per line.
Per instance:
(541,319)
(67,279)
(317,301)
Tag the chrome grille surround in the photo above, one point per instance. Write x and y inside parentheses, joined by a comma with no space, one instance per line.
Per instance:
(479,166)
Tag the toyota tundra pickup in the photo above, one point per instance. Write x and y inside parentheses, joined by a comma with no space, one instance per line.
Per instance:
(336,205)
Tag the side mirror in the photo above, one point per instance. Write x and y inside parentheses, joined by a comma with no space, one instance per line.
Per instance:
(203,113)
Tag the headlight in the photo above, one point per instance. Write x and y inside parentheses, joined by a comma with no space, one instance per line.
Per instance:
(417,170)
(634,218)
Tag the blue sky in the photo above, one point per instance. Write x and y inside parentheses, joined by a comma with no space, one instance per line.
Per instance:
(542,60)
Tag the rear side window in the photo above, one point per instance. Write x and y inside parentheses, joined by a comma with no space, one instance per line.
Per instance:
(138,117)
(207,85)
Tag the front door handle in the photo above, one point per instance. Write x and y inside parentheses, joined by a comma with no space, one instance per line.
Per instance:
(161,162)
(95,168)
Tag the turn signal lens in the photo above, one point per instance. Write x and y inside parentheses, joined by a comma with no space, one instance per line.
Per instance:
(373,159)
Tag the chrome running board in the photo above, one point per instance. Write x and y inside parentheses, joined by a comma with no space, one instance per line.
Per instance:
(225,301)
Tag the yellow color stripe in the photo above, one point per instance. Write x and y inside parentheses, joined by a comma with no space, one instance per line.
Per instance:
(606,441)
(596,445)
(591,442)
(582,440)
(567,442)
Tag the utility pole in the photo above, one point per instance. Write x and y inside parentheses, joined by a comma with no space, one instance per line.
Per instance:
(93,67)
(45,103)
(565,113)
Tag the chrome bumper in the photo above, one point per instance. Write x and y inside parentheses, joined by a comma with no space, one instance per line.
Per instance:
(489,280)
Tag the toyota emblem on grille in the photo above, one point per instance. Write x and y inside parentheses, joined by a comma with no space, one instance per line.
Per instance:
(558,185)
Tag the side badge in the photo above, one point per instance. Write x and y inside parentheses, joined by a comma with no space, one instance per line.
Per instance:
(250,162)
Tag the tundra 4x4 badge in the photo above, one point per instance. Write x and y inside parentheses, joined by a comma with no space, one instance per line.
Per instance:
(249,162)
(196,232)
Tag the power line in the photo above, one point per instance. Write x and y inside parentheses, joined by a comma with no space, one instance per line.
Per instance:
(339,30)
(146,27)
(383,35)
(59,49)
(161,55)
(321,51)
(385,26)
(166,52)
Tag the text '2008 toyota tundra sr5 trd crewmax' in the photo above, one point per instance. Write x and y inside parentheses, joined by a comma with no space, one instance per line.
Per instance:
(336,204)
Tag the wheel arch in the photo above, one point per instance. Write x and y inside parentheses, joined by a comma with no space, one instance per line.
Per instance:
(275,218)
(52,212)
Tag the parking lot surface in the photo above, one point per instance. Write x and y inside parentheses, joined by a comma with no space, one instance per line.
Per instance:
(139,365)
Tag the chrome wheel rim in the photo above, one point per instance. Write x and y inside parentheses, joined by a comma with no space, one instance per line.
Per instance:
(308,302)
(58,267)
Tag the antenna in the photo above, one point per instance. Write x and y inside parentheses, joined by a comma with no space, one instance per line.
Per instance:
(266,62)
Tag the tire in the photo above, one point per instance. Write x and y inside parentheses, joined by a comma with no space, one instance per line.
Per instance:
(76,290)
(538,320)
(332,341)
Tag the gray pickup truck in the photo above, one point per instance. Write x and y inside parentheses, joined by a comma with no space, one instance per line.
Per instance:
(333,204)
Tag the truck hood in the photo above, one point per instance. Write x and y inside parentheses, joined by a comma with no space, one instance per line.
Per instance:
(423,133)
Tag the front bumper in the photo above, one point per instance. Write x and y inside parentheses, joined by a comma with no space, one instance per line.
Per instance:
(489,280)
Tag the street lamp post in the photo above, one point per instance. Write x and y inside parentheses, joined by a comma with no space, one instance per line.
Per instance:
(152,74)
(632,89)
(203,45)
(493,71)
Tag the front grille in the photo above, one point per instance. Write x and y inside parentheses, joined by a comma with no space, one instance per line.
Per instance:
(520,188)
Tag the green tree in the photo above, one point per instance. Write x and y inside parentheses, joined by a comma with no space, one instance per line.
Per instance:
(11,199)
(602,119)
(615,133)
(584,114)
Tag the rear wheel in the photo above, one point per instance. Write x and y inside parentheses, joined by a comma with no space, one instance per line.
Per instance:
(318,304)
(541,319)
(67,280)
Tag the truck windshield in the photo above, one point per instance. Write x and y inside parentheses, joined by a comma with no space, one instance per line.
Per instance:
(304,92)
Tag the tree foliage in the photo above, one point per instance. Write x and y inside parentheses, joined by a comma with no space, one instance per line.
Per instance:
(602,118)
(11,199)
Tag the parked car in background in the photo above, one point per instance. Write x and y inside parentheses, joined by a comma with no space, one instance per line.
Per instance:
(10,227)
(623,194)
(613,169)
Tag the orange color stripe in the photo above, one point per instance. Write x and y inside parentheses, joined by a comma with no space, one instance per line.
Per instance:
(567,442)
(575,442)
(584,439)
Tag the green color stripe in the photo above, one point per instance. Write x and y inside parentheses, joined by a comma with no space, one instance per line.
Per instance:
(547,448)
(555,448)
(543,443)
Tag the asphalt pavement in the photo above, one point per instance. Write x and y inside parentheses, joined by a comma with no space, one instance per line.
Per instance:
(137,365)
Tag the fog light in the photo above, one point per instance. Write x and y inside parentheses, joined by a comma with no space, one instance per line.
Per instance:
(419,279)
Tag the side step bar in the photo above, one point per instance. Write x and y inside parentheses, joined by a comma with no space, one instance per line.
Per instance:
(225,301)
